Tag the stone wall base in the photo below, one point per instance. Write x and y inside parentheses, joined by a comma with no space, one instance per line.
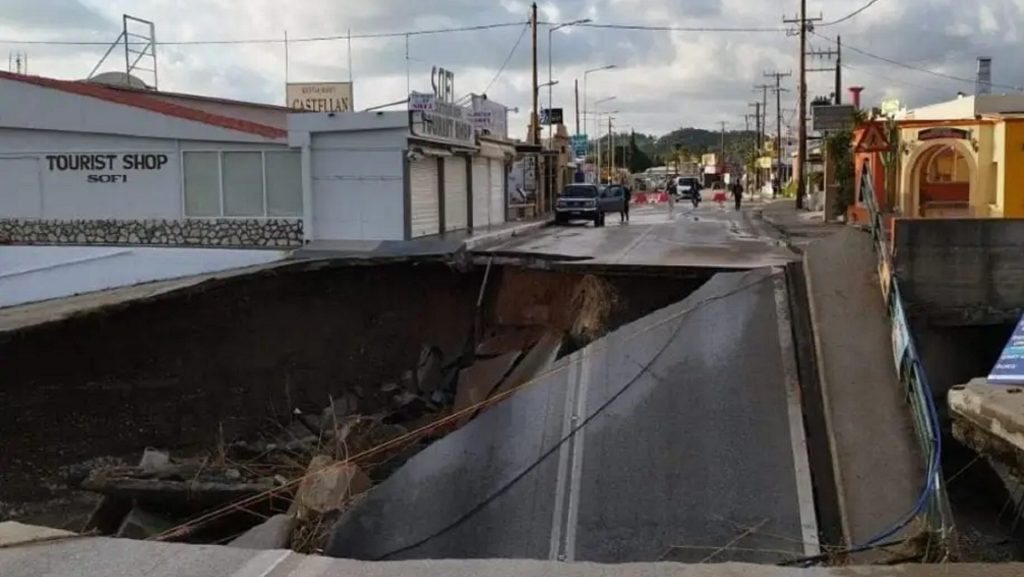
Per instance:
(221,232)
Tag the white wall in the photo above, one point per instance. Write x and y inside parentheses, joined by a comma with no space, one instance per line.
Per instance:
(30,273)
(358,184)
(32,185)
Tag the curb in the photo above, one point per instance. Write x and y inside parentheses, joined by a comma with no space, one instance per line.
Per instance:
(476,242)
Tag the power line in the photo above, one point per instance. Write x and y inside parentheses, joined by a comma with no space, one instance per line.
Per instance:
(281,40)
(680,28)
(851,14)
(970,81)
(507,58)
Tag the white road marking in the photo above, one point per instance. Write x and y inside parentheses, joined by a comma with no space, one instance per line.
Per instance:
(797,434)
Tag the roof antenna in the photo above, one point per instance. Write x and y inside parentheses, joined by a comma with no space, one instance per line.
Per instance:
(139,39)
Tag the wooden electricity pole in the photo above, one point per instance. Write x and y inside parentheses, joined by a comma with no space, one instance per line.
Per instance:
(805,25)
(778,89)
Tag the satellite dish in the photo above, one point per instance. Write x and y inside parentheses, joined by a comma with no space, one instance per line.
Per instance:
(118,79)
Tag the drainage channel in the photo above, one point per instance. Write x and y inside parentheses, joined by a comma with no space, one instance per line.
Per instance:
(239,384)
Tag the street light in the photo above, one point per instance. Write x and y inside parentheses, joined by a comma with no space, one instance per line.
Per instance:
(550,30)
(598,116)
(585,74)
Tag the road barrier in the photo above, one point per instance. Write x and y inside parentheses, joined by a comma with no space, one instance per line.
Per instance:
(933,504)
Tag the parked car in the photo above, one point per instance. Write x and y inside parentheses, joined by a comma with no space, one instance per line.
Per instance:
(588,202)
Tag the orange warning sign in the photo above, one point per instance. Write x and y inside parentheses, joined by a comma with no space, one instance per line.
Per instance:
(871,139)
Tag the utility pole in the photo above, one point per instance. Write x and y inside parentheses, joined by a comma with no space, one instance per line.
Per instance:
(723,123)
(839,70)
(576,89)
(757,141)
(534,116)
(778,89)
(611,151)
(806,24)
(763,133)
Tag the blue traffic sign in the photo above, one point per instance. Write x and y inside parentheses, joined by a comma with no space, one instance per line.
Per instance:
(579,144)
(1009,369)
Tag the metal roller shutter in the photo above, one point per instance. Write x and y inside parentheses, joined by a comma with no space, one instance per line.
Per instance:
(455,190)
(481,193)
(497,204)
(426,210)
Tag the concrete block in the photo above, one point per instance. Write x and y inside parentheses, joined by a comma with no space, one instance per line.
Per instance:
(274,533)
(140,524)
(329,486)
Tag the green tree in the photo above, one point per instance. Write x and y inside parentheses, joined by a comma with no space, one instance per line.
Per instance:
(638,159)
(840,150)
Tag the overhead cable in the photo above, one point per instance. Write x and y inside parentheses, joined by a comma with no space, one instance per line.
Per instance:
(681,28)
(851,14)
(508,58)
(862,52)
(330,38)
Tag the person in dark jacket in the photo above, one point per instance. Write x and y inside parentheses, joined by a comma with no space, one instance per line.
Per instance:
(737,194)
(627,196)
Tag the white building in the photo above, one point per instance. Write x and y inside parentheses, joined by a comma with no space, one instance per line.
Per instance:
(89,164)
(82,163)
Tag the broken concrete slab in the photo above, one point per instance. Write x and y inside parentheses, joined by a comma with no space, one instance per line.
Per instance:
(539,359)
(328,486)
(154,460)
(477,382)
(502,339)
(141,524)
(14,533)
(430,370)
(274,533)
(989,418)
(193,483)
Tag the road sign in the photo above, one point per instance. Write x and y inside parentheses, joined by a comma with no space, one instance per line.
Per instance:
(871,139)
(421,101)
(829,117)
(1009,369)
(550,116)
(579,145)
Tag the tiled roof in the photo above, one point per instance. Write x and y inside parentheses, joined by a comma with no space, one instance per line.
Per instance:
(144,101)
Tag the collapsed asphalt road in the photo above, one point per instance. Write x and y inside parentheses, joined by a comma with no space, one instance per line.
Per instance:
(673,438)
(707,236)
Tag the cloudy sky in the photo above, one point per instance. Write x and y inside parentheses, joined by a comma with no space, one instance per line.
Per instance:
(662,81)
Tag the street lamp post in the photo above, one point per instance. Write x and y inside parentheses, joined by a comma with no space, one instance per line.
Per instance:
(550,31)
(597,119)
(585,74)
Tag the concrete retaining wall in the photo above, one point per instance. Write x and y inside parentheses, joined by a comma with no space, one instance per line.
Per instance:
(958,272)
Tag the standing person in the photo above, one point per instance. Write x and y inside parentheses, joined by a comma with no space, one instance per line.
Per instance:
(627,197)
(737,194)
(671,190)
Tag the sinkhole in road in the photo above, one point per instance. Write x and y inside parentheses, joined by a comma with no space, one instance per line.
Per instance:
(243,380)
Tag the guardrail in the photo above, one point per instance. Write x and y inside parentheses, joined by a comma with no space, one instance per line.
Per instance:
(932,505)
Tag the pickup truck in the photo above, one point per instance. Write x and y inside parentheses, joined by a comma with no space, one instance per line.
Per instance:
(588,202)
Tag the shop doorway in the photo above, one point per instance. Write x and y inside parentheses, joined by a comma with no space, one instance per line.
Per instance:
(944,176)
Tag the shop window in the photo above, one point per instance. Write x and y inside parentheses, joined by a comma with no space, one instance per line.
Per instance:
(202,184)
(284,184)
(243,184)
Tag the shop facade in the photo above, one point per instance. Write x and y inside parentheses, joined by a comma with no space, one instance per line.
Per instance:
(963,158)
(86,164)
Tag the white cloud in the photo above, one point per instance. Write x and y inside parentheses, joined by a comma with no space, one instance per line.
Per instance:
(663,79)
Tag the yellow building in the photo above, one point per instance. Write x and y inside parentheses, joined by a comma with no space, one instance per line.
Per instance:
(963,158)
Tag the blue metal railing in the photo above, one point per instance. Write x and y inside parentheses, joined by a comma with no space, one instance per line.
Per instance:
(932,505)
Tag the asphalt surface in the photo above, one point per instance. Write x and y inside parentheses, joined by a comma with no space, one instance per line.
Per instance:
(708,236)
(672,438)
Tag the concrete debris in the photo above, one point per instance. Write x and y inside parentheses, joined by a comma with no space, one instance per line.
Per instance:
(13,533)
(192,483)
(141,524)
(274,533)
(430,369)
(502,339)
(329,486)
(153,460)
(540,358)
(478,381)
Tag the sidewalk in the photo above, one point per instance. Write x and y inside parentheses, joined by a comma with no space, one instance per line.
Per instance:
(800,228)
(442,245)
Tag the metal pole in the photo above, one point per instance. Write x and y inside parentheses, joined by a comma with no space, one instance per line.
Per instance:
(611,151)
(350,60)
(408,84)
(576,90)
(839,70)
(801,184)
(550,86)
(778,130)
(534,117)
